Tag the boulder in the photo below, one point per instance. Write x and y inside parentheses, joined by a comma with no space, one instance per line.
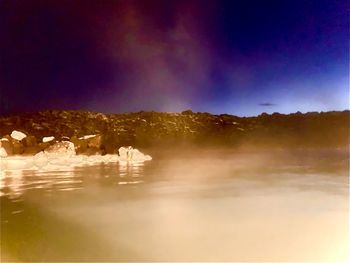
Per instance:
(18,147)
(64,147)
(109,142)
(88,144)
(29,141)
(130,154)
(79,145)
(7,145)
(44,145)
(94,141)
(30,145)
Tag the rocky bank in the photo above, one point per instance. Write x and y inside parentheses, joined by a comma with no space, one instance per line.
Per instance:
(97,133)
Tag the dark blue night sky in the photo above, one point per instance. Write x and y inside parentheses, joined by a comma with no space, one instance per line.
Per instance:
(237,57)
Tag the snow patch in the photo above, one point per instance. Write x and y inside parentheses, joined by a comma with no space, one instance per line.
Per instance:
(17,135)
(87,137)
(64,147)
(48,139)
(61,156)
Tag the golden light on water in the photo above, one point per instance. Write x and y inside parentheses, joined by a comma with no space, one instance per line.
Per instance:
(228,208)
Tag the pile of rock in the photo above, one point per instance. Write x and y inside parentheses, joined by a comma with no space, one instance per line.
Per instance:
(150,129)
(87,149)
(19,143)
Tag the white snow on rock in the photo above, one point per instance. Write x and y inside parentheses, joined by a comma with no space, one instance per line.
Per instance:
(48,139)
(124,153)
(131,154)
(3,152)
(87,137)
(65,147)
(61,156)
(4,139)
(17,135)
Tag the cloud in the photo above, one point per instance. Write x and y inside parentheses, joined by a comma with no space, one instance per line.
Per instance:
(267,104)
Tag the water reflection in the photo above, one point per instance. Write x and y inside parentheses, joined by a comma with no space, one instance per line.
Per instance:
(131,172)
(15,183)
(235,207)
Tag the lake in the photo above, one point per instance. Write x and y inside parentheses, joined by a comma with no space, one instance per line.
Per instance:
(194,205)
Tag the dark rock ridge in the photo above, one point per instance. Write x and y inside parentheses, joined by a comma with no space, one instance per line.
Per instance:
(158,129)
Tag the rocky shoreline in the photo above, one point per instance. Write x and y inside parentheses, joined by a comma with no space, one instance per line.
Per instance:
(97,133)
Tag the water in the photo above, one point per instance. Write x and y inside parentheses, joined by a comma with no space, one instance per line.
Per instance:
(212,205)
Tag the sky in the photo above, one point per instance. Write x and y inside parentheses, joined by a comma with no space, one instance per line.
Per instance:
(219,56)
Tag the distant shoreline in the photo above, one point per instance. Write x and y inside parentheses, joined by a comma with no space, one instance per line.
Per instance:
(20,113)
(183,130)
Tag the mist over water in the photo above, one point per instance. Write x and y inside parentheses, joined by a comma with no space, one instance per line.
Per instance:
(201,204)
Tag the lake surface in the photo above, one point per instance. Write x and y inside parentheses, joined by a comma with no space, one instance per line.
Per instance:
(198,205)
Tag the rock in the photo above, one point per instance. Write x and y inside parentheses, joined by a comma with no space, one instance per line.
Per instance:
(17,135)
(18,147)
(61,148)
(80,145)
(7,145)
(30,145)
(88,144)
(131,154)
(29,141)
(32,150)
(125,153)
(44,145)
(150,129)
(48,139)
(109,142)
(139,156)
(93,141)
